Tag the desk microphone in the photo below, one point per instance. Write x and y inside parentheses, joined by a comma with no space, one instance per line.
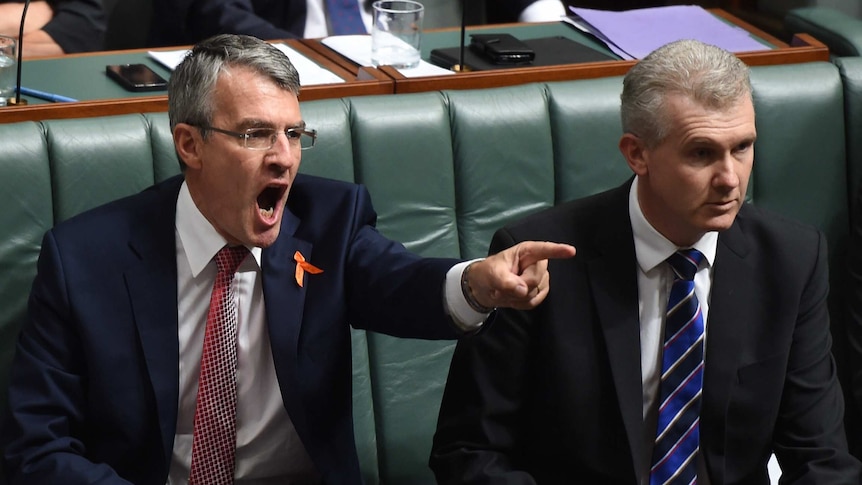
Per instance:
(20,51)
(460,67)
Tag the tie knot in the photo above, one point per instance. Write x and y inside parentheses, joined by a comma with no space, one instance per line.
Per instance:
(229,258)
(685,263)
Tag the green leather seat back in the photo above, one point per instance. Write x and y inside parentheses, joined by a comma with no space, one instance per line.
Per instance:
(165,163)
(332,156)
(403,154)
(504,159)
(799,154)
(26,212)
(586,124)
(97,160)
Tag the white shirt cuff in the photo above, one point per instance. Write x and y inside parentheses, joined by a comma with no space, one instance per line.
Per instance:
(543,11)
(465,317)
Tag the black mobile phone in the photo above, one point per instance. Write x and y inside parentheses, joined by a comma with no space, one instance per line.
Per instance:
(502,48)
(136,77)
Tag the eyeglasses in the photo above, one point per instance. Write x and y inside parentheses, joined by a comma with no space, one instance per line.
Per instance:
(265,138)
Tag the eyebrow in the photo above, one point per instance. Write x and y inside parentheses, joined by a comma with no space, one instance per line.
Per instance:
(712,141)
(256,123)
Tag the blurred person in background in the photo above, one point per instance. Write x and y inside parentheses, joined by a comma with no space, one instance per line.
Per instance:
(186,22)
(55,27)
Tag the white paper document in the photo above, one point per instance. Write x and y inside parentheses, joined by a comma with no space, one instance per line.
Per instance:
(310,73)
(357,48)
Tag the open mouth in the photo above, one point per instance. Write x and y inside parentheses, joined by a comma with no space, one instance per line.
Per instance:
(267,200)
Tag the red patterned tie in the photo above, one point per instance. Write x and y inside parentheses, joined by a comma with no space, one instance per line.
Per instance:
(214,441)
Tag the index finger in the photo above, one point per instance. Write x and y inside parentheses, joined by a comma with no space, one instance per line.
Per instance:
(531,252)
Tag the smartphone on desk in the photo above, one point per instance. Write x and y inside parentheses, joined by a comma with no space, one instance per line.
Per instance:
(136,77)
(502,48)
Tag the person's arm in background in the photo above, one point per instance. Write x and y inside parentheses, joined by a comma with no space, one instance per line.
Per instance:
(56,27)
(38,14)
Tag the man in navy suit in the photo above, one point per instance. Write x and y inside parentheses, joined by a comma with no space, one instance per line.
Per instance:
(186,22)
(105,379)
(574,390)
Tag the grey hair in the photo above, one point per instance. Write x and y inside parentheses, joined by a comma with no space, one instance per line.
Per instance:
(191,86)
(713,77)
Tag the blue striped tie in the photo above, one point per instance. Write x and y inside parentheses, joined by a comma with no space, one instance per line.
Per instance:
(677,440)
(344,17)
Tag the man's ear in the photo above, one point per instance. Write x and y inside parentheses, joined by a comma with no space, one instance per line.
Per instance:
(188,143)
(633,150)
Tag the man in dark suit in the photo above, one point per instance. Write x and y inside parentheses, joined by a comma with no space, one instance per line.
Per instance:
(105,382)
(186,21)
(585,388)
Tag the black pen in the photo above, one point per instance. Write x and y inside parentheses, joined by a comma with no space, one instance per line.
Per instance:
(57,98)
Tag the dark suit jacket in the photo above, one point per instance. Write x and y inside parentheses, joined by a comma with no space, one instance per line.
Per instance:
(181,22)
(504,11)
(94,385)
(554,395)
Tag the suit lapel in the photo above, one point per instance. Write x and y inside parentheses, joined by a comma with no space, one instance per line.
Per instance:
(728,316)
(284,300)
(613,281)
(151,286)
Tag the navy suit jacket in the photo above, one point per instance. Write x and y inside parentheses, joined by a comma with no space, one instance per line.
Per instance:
(94,384)
(184,22)
(181,22)
(505,11)
(555,395)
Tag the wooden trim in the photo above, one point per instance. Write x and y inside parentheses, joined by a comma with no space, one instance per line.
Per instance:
(360,83)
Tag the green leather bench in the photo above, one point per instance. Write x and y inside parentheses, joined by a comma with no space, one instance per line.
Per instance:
(445,169)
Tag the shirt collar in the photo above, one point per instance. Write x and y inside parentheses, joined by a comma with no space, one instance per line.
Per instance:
(199,238)
(651,248)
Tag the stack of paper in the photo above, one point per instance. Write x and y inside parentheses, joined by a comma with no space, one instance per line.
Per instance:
(310,73)
(632,34)
(357,48)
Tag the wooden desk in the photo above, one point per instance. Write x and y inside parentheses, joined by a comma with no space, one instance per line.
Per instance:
(803,49)
(82,76)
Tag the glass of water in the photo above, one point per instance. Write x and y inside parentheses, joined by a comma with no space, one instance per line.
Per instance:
(396,33)
(8,68)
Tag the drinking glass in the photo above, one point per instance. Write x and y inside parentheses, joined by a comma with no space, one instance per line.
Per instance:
(396,33)
(8,68)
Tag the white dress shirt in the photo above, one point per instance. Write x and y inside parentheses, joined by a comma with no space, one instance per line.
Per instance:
(268,450)
(542,11)
(654,283)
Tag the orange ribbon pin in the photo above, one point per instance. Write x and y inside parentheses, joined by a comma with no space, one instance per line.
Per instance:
(302,266)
